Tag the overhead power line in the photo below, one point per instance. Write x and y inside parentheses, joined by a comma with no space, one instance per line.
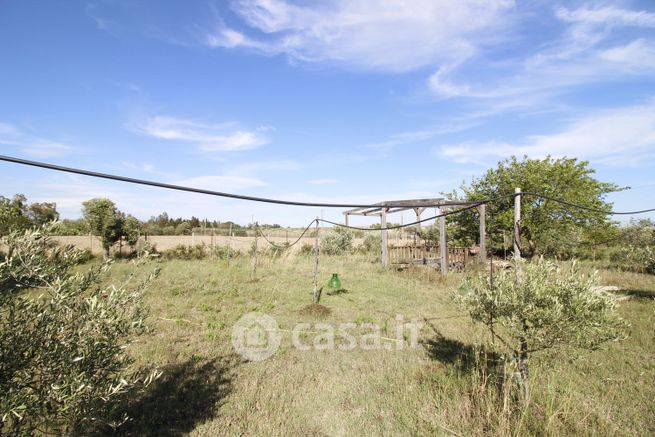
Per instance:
(471,205)
(201,190)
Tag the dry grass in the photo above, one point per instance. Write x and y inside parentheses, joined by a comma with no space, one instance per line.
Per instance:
(446,386)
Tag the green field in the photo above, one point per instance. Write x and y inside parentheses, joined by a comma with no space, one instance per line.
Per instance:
(445,386)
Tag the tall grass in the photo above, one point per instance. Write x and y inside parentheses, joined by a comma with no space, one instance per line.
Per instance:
(453,384)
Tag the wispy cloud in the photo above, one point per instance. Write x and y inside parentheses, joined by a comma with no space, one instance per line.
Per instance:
(258,167)
(585,53)
(382,36)
(221,137)
(323,181)
(30,144)
(620,136)
(223,183)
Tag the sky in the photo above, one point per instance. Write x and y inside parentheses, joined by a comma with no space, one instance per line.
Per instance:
(334,101)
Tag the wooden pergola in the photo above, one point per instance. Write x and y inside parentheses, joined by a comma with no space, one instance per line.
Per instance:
(442,205)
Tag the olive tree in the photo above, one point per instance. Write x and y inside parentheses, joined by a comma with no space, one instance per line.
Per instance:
(63,338)
(337,241)
(539,306)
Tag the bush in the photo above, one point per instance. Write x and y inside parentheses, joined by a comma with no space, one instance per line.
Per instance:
(306,249)
(337,241)
(181,251)
(63,366)
(542,307)
(372,243)
(221,252)
(634,258)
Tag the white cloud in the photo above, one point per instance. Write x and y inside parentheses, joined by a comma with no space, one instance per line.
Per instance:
(617,136)
(30,144)
(364,34)
(254,168)
(607,15)
(222,183)
(323,181)
(586,52)
(209,137)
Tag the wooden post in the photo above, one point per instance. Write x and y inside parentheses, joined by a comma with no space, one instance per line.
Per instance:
(443,244)
(317,250)
(383,234)
(346,218)
(254,263)
(418,212)
(517,221)
(482,210)
(229,245)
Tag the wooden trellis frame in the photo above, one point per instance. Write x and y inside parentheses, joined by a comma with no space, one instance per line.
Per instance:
(382,209)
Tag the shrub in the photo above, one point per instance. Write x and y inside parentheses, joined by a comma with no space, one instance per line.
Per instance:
(221,252)
(372,243)
(337,241)
(306,249)
(635,258)
(542,307)
(63,366)
(181,251)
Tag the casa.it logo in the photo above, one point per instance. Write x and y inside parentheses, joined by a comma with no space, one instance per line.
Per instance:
(255,336)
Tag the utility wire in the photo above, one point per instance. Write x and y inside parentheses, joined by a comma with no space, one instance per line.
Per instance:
(286,246)
(296,203)
(586,208)
(388,228)
(203,191)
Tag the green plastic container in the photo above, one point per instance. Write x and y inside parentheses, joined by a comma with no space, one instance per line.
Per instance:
(334,283)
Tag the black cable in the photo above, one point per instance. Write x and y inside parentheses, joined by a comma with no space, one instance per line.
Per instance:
(294,203)
(286,246)
(388,228)
(203,191)
(587,208)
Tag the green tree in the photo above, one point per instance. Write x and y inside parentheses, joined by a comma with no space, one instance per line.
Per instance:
(547,227)
(131,230)
(42,213)
(183,228)
(104,220)
(538,306)
(13,214)
(63,363)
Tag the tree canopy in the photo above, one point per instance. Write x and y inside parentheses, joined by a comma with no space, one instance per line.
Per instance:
(547,227)
(104,220)
(18,214)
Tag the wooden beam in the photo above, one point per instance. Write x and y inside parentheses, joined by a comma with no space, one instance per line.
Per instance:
(443,245)
(418,212)
(482,210)
(383,240)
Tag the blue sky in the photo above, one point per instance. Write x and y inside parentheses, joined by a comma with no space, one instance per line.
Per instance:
(340,100)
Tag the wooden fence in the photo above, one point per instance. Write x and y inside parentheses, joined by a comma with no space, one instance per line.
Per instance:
(429,254)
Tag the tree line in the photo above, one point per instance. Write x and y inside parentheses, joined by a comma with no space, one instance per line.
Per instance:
(548,228)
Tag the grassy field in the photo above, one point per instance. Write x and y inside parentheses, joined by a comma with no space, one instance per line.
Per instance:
(443,387)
